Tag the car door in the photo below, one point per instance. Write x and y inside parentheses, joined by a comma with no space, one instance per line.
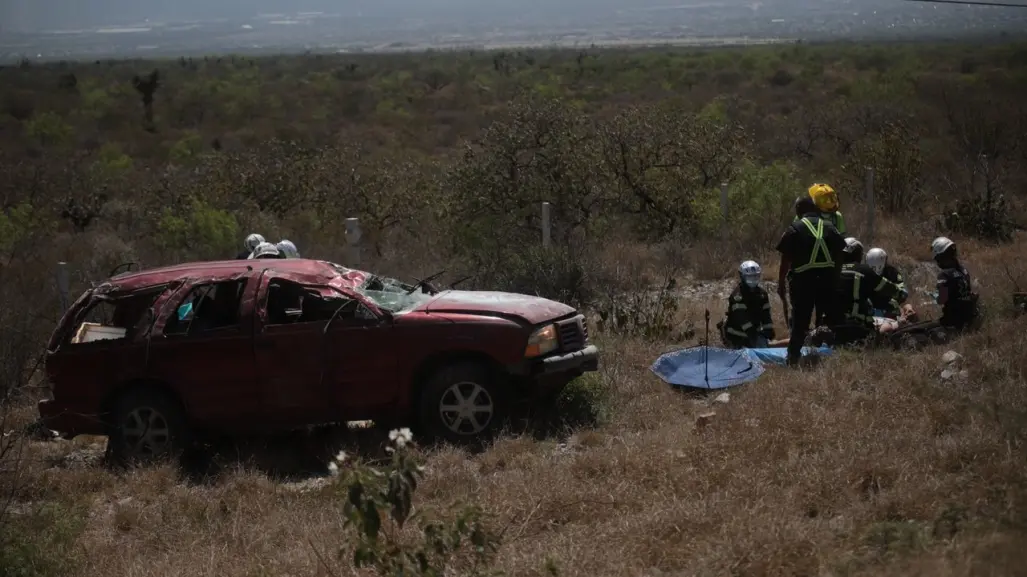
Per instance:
(290,354)
(86,370)
(362,356)
(206,354)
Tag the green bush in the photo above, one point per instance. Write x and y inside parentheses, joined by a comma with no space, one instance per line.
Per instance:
(760,200)
(200,232)
(379,504)
(48,129)
(583,403)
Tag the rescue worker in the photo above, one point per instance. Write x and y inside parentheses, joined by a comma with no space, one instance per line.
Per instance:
(956,296)
(249,245)
(811,252)
(859,286)
(826,200)
(286,249)
(894,308)
(264,250)
(853,251)
(748,322)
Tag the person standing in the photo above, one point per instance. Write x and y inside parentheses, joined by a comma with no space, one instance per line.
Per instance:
(826,200)
(811,256)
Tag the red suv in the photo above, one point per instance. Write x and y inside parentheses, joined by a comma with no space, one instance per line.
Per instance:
(152,358)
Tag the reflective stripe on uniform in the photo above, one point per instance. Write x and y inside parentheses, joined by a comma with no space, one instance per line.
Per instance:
(736,332)
(819,248)
(739,307)
(856,281)
(766,306)
(746,326)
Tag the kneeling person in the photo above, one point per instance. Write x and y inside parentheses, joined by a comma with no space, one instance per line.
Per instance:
(859,286)
(896,307)
(748,322)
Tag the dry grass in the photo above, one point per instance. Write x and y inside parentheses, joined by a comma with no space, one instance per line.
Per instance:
(869,464)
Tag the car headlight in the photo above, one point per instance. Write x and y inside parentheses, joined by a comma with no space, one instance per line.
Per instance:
(541,342)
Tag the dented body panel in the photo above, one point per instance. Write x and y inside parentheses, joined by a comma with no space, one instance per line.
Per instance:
(261,345)
(534,310)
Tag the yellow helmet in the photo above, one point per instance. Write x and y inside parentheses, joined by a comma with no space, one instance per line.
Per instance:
(824,197)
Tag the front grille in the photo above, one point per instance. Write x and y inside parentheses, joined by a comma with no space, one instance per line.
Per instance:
(573,334)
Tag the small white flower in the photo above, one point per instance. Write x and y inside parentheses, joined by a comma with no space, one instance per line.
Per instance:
(340,457)
(333,468)
(400,437)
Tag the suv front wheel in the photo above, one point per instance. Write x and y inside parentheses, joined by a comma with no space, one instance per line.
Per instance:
(463,404)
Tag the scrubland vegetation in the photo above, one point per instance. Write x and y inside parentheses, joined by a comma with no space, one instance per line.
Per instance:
(869,464)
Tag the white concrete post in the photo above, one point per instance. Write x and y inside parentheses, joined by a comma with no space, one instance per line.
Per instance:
(546,226)
(353,235)
(871,207)
(63,286)
(723,209)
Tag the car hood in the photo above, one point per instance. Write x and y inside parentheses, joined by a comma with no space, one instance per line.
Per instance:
(532,309)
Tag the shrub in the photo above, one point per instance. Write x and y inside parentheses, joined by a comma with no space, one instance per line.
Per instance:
(647,314)
(379,504)
(759,203)
(583,403)
(200,232)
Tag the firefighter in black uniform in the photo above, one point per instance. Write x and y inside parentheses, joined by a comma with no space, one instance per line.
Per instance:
(859,287)
(958,300)
(748,322)
(895,307)
(811,255)
(956,296)
(853,251)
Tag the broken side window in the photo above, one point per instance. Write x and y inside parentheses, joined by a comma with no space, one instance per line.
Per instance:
(117,319)
(207,307)
(290,302)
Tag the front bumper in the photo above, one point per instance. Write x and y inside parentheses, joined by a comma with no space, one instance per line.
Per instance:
(68,423)
(576,363)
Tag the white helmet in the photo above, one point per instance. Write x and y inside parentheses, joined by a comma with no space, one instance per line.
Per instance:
(252,242)
(751,273)
(265,250)
(877,259)
(287,248)
(852,244)
(940,245)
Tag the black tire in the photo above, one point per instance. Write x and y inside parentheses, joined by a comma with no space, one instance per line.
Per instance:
(147,426)
(476,385)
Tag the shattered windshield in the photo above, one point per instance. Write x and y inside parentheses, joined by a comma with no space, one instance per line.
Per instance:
(388,293)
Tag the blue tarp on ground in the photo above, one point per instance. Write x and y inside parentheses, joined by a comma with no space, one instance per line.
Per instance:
(779,355)
(725,368)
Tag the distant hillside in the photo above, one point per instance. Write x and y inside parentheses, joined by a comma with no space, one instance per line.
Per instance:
(35,15)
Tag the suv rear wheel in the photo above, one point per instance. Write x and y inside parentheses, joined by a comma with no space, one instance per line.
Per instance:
(148,425)
(462,404)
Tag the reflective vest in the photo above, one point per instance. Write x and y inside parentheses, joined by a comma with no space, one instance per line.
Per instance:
(861,309)
(835,217)
(821,256)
